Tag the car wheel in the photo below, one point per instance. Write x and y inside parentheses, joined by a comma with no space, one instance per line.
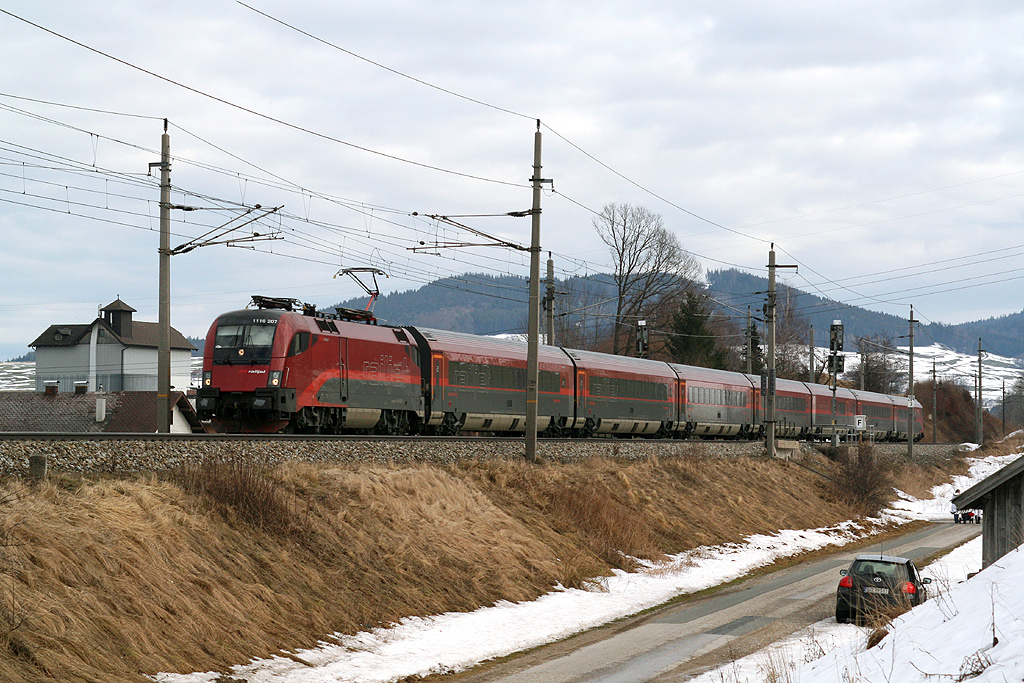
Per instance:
(842,614)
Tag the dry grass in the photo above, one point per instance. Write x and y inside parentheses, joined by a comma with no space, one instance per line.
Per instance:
(115,579)
(918,480)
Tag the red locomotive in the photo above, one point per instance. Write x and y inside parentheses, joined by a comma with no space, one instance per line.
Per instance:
(284,367)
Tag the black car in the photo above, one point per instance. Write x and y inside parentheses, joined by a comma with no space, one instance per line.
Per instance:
(878,583)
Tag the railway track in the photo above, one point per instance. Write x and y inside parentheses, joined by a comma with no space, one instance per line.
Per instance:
(341,438)
(361,438)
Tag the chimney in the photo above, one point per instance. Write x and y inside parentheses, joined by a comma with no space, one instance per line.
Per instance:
(50,387)
(81,386)
(101,407)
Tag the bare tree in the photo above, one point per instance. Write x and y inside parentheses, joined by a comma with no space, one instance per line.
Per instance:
(791,333)
(581,313)
(882,366)
(650,266)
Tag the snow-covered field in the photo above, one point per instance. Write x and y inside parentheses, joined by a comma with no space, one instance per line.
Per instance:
(17,376)
(21,375)
(456,641)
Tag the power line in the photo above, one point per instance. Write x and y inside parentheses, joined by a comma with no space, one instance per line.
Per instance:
(261,115)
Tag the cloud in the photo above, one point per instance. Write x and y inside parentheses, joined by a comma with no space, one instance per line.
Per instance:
(859,138)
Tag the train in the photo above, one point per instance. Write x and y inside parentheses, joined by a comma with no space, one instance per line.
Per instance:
(284,366)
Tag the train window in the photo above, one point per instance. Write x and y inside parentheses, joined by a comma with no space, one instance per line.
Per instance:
(248,343)
(549,381)
(300,342)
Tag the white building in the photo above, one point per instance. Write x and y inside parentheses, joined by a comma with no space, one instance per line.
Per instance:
(112,353)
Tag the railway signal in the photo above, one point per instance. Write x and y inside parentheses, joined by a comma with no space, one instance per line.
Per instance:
(835,342)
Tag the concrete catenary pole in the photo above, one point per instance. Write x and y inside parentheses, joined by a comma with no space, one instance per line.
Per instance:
(810,357)
(935,403)
(750,344)
(911,422)
(979,419)
(550,301)
(534,305)
(769,323)
(163,365)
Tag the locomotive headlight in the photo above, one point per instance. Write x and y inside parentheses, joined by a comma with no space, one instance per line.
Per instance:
(207,378)
(275,379)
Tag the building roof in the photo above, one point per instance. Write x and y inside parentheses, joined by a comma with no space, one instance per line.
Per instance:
(126,412)
(972,497)
(118,305)
(143,335)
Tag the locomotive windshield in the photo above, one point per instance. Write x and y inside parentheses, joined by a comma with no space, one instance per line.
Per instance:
(244,343)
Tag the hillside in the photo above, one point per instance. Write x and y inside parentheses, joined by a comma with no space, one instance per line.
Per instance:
(484,304)
(111,579)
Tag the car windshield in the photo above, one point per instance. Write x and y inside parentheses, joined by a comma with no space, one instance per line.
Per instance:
(249,343)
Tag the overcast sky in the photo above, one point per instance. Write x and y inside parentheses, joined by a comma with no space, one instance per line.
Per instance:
(877,144)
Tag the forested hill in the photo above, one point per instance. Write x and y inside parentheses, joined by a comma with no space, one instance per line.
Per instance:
(1003,336)
(474,303)
(484,304)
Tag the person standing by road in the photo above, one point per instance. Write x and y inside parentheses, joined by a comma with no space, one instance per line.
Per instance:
(953,510)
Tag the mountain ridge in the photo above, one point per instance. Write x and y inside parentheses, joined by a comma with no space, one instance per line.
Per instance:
(484,304)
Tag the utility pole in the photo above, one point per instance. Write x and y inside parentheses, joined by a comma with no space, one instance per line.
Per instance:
(911,422)
(979,419)
(810,357)
(1002,411)
(550,301)
(750,344)
(534,304)
(769,323)
(863,366)
(217,235)
(935,404)
(163,363)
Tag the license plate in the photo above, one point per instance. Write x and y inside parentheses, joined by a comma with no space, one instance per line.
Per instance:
(877,591)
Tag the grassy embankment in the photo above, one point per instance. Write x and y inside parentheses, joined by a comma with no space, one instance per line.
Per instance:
(110,579)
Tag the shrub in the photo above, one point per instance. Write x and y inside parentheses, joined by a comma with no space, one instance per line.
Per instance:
(241,490)
(863,479)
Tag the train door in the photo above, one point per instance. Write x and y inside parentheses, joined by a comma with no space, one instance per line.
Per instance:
(680,403)
(343,368)
(439,395)
(582,412)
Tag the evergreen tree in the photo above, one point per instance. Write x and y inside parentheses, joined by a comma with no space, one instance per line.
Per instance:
(757,364)
(692,341)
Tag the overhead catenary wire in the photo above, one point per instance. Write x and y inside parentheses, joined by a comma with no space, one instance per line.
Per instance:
(556,133)
(254,112)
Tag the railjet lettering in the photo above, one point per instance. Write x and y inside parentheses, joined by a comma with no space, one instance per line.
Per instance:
(257,372)
(385,366)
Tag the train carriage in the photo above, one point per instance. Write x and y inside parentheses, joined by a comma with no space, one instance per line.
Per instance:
(716,402)
(479,384)
(792,409)
(821,411)
(879,411)
(909,420)
(623,396)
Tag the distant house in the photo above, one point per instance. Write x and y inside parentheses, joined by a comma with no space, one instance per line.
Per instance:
(81,412)
(1000,497)
(112,353)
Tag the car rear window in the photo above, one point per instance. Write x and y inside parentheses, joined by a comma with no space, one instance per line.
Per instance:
(886,570)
